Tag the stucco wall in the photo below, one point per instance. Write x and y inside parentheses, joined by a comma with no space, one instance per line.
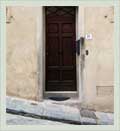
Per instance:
(99,64)
(21,48)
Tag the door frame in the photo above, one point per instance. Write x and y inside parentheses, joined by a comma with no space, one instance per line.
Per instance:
(41,57)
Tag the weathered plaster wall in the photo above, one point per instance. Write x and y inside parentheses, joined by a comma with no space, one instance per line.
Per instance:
(21,48)
(99,64)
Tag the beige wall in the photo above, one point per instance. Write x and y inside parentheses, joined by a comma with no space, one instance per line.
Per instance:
(22,80)
(99,64)
(22,55)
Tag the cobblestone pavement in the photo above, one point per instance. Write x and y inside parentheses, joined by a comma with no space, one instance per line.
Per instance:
(61,113)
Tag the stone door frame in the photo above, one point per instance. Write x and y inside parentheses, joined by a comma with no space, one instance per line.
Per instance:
(41,56)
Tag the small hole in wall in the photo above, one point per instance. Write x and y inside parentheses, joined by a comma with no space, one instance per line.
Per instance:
(9,16)
(111,21)
(105,16)
(8,21)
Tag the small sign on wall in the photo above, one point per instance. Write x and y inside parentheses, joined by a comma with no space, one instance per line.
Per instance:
(88,37)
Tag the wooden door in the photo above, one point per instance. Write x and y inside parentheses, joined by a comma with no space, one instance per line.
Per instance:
(60,49)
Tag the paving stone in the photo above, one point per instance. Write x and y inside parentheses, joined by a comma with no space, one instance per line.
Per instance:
(24,106)
(62,112)
(88,121)
(71,113)
(104,118)
(111,116)
(44,109)
(88,113)
(21,120)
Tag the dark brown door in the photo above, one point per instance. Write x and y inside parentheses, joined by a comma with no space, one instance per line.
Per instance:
(60,49)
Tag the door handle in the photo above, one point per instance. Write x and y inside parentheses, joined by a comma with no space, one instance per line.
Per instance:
(82,39)
(78,47)
(79,44)
(86,52)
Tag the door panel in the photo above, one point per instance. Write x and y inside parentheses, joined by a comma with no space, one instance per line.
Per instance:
(67,51)
(53,50)
(67,27)
(53,75)
(67,75)
(52,28)
(60,49)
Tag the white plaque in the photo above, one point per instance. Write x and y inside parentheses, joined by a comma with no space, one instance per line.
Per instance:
(88,36)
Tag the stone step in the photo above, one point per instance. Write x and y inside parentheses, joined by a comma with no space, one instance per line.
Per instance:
(57,112)
(22,120)
(45,110)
